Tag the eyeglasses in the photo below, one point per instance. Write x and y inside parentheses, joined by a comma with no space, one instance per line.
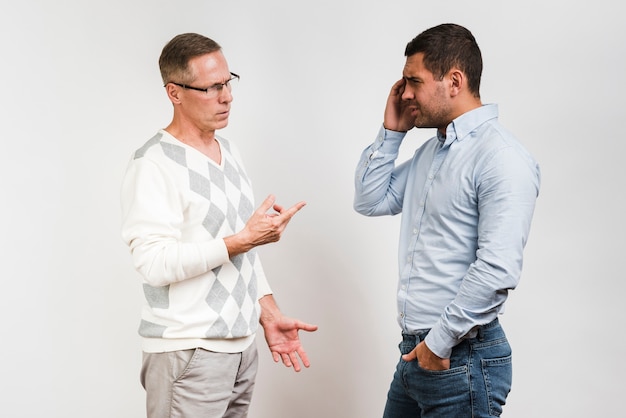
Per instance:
(215,89)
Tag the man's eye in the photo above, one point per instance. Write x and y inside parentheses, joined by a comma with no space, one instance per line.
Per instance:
(413,83)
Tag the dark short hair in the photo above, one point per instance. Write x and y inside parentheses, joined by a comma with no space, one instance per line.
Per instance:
(447,46)
(176,54)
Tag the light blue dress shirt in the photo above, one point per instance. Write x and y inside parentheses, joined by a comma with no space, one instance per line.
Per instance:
(467,200)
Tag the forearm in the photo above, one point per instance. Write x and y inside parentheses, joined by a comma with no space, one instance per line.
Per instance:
(167,261)
(502,231)
(479,298)
(152,225)
(457,323)
(378,185)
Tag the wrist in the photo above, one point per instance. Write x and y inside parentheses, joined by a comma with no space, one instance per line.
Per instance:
(269,310)
(237,244)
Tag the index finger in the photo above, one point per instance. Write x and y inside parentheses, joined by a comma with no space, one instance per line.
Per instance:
(288,214)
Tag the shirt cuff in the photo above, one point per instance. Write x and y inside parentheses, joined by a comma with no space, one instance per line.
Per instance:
(440,343)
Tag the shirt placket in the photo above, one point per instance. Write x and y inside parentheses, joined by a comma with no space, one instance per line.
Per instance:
(406,282)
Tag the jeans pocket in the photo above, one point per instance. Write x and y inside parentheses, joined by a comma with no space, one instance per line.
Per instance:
(444,391)
(498,375)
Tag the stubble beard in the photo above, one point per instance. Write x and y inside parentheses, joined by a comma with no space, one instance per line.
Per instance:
(436,117)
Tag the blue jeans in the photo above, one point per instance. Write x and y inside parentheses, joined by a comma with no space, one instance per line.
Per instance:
(476,385)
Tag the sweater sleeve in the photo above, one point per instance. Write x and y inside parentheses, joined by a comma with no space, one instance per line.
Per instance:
(264,287)
(152,216)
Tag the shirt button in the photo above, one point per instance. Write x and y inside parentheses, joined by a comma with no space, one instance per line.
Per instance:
(415,231)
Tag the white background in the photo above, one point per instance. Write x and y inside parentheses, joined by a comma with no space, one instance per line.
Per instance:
(81,91)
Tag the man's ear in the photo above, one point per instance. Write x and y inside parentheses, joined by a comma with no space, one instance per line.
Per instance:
(457,81)
(173,92)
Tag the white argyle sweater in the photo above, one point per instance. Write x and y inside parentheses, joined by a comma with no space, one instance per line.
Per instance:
(177,206)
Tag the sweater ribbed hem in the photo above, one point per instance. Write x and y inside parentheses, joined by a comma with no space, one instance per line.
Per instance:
(230,345)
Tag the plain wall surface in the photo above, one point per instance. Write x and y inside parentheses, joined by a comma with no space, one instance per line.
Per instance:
(81,91)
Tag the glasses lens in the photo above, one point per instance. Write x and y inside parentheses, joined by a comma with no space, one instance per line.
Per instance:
(217,89)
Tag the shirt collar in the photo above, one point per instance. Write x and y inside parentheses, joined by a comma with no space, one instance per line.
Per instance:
(462,126)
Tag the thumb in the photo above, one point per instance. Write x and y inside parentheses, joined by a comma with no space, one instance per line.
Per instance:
(306,327)
(410,356)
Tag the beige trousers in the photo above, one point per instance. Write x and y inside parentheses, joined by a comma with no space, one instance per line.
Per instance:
(199,383)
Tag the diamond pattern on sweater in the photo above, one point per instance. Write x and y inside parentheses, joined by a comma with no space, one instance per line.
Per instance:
(200,184)
(240,326)
(227,190)
(213,220)
(153,141)
(175,152)
(150,329)
(253,290)
(157,297)
(218,329)
(253,316)
(217,296)
(237,261)
(231,216)
(245,208)
(232,174)
(217,177)
(239,292)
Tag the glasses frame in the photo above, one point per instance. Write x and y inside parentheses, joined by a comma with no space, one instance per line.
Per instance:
(217,87)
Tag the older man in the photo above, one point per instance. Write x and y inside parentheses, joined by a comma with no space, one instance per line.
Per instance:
(190,223)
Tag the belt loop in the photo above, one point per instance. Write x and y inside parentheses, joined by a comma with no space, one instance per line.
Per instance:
(481,333)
